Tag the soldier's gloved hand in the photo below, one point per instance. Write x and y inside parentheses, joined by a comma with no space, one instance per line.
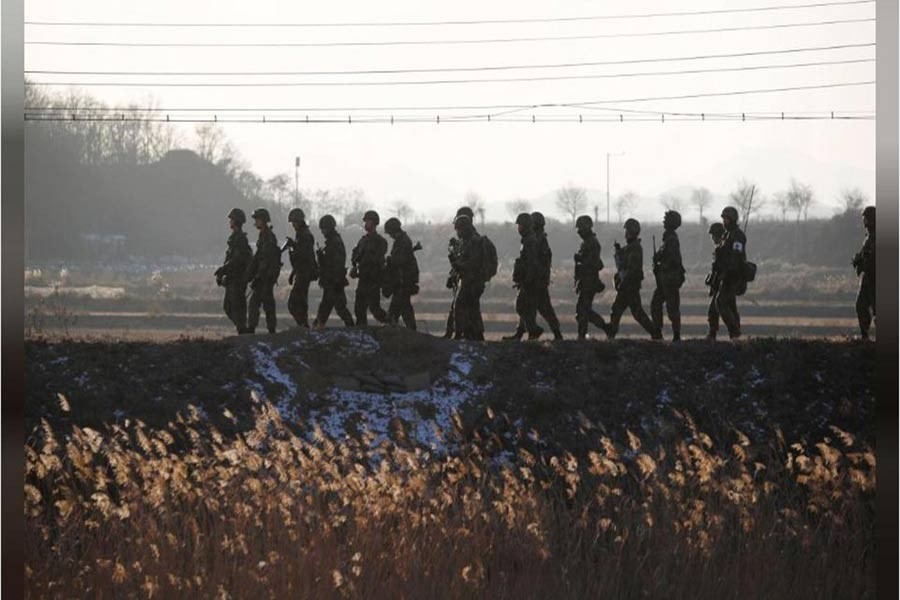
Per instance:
(577,257)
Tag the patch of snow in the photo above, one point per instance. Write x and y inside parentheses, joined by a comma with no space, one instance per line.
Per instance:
(755,378)
(265,366)
(59,361)
(818,377)
(714,377)
(349,342)
(119,414)
(662,398)
(375,411)
(82,380)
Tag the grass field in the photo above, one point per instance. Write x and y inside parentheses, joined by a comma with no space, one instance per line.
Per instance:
(384,463)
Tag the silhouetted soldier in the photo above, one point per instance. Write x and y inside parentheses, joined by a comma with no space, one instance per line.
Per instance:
(628,278)
(367,264)
(542,285)
(468,262)
(232,274)
(453,247)
(401,280)
(527,277)
(304,269)
(263,273)
(717,233)
(332,275)
(588,265)
(668,271)
(732,279)
(864,261)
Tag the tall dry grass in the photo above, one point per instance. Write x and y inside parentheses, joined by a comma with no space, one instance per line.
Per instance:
(185,511)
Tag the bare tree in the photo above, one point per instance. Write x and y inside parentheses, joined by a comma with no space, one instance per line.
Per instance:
(519,205)
(747,199)
(782,201)
(625,203)
(701,198)
(403,211)
(853,199)
(571,200)
(800,197)
(474,201)
(279,187)
(670,202)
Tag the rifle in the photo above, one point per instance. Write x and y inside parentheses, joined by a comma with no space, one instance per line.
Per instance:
(655,263)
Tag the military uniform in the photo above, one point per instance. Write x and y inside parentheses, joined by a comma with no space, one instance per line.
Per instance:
(527,276)
(542,303)
(669,272)
(865,298)
(713,282)
(630,264)
(263,275)
(402,280)
(368,259)
(304,270)
(732,281)
(468,323)
(232,276)
(333,280)
(588,265)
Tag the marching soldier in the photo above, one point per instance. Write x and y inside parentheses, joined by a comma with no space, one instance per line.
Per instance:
(864,261)
(468,263)
(332,275)
(401,275)
(263,273)
(542,286)
(668,271)
(304,269)
(453,247)
(231,275)
(367,265)
(588,265)
(526,277)
(732,282)
(717,233)
(629,274)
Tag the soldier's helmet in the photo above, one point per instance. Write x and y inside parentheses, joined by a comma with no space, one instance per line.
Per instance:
(261,213)
(327,223)
(730,212)
(296,216)
(717,229)
(392,225)
(465,210)
(632,227)
(672,219)
(869,213)
(238,215)
(462,222)
(524,219)
(371,215)
(584,222)
(538,220)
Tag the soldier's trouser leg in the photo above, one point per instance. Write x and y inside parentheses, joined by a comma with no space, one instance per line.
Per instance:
(656,307)
(526,307)
(268,305)
(235,305)
(673,309)
(865,304)
(545,308)
(401,308)
(263,296)
(253,309)
(582,310)
(468,311)
(374,304)
(712,316)
(325,306)
(298,302)
(450,329)
(637,311)
(726,302)
(630,299)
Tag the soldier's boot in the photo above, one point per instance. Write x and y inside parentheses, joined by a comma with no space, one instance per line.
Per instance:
(520,331)
(537,333)
(557,334)
(676,329)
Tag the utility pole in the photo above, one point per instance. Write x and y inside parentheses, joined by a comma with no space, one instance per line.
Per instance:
(297,179)
(608,154)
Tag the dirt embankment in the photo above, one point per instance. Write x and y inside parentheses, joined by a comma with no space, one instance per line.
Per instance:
(392,383)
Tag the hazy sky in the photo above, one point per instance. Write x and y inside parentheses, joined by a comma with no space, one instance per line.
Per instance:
(432,166)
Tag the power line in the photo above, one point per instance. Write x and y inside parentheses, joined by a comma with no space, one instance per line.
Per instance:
(453,81)
(437,119)
(454,22)
(591,104)
(443,42)
(464,69)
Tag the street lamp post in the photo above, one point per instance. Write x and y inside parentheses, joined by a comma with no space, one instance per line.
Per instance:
(297,179)
(608,154)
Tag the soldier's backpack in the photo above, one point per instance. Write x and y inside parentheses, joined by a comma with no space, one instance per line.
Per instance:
(749,271)
(489,258)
